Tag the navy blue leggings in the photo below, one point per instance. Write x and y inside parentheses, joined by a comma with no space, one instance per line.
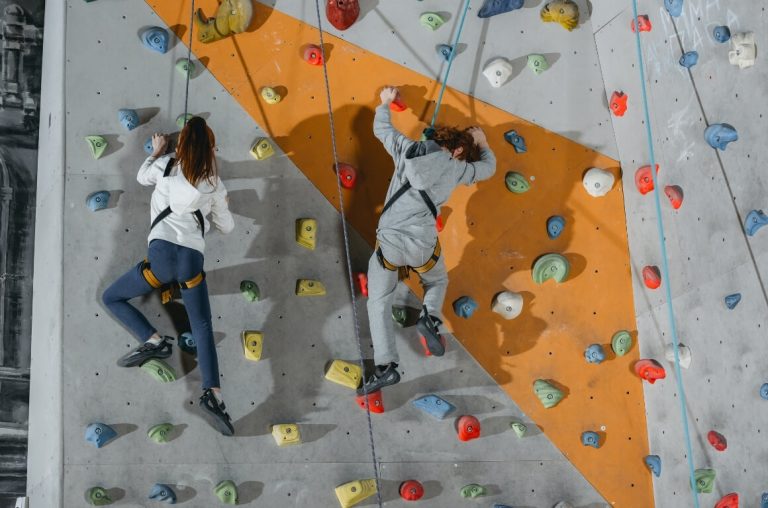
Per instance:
(170,262)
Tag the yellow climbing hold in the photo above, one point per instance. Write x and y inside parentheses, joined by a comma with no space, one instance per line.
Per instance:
(286,434)
(305,233)
(344,373)
(262,149)
(270,96)
(354,492)
(307,287)
(565,12)
(252,344)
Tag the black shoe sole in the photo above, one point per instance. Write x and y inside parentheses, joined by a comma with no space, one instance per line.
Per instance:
(434,344)
(126,361)
(373,388)
(216,421)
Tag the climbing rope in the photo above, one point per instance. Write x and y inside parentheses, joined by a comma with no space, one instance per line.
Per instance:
(345,230)
(189,60)
(665,263)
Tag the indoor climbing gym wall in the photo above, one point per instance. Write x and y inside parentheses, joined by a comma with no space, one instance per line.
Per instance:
(560,385)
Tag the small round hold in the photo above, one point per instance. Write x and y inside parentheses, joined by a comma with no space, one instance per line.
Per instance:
(590,438)
(555,226)
(721,34)
(594,354)
(411,490)
(652,277)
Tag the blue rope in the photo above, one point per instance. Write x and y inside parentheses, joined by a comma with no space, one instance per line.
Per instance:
(454,48)
(665,262)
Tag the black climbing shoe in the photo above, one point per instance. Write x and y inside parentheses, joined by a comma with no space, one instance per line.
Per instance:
(147,351)
(427,327)
(216,412)
(382,376)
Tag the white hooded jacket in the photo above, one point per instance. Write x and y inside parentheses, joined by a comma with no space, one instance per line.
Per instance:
(181,226)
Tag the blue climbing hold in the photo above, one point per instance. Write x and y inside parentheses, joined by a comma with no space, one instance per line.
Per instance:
(97,200)
(718,135)
(162,492)
(555,226)
(464,307)
(764,500)
(674,7)
(156,39)
(754,221)
(516,140)
(494,7)
(187,343)
(689,59)
(444,50)
(764,391)
(590,438)
(129,118)
(731,301)
(99,434)
(594,354)
(653,462)
(148,146)
(434,406)
(722,33)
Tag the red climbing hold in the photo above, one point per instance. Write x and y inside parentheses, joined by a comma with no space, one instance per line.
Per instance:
(729,501)
(362,283)
(644,22)
(411,490)
(375,402)
(313,55)
(439,223)
(468,428)
(644,179)
(342,13)
(675,195)
(619,103)
(397,105)
(717,440)
(347,175)
(424,344)
(652,277)
(650,370)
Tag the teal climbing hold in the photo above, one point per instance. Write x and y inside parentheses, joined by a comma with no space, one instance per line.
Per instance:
(516,183)
(538,63)
(705,480)
(548,394)
(97,200)
(550,266)
(185,67)
(98,496)
(516,140)
(156,39)
(159,370)
(472,491)
(755,220)
(226,491)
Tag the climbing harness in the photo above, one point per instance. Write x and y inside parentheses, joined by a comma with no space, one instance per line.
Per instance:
(665,267)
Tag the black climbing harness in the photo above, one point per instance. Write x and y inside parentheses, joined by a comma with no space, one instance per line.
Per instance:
(165,213)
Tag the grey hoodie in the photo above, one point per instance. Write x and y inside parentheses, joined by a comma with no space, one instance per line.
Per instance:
(429,168)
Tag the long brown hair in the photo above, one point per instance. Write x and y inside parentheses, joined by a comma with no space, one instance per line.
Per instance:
(453,138)
(194,152)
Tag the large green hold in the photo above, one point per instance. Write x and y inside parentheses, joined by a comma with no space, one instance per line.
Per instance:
(472,491)
(550,266)
(516,183)
(159,433)
(548,394)
(159,370)
(705,480)
(226,491)
(621,342)
(97,144)
(98,496)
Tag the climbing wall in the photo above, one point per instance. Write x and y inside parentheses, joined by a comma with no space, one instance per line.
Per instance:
(709,254)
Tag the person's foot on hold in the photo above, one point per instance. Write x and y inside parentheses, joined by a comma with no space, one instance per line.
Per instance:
(384,375)
(216,412)
(150,349)
(428,328)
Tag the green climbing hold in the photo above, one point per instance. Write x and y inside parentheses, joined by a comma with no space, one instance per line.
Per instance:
(399,315)
(185,66)
(538,63)
(548,394)
(159,433)
(472,491)
(182,120)
(431,20)
(159,370)
(705,480)
(516,183)
(519,428)
(98,496)
(97,144)
(621,342)
(550,266)
(226,491)
(250,290)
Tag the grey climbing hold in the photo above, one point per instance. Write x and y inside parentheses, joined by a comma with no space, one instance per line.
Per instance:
(185,67)
(590,438)
(755,220)
(97,200)
(516,140)
(683,354)
(129,118)
(495,7)
(434,406)
(159,433)
(764,391)
(722,34)
(674,7)
(97,144)
(594,354)
(718,135)
(497,72)
(162,493)
(444,50)
(187,343)
(464,306)
(548,394)
(689,59)
(516,183)
(508,304)
(555,226)
(519,428)
(98,496)
(538,63)
(156,39)
(99,434)
(653,463)
(731,301)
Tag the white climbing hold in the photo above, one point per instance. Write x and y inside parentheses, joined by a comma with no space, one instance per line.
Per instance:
(743,50)
(598,182)
(508,304)
(498,72)
(684,352)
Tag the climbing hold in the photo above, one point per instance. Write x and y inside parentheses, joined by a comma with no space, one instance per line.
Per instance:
(129,118)
(159,433)
(185,67)
(286,434)
(755,220)
(718,135)
(643,23)
(653,463)
(721,34)
(262,149)
(689,59)
(156,39)
(98,496)
(270,96)
(519,428)
(472,491)
(550,266)
(590,438)
(434,406)
(555,226)
(99,434)
(250,290)
(650,370)
(355,492)
(344,373)
(347,175)
(598,182)
(226,491)
(306,230)
(675,195)
(764,500)
(594,354)
(619,103)
(342,13)
(674,7)
(159,370)
(397,105)
(411,490)
(97,144)
(564,12)
(162,493)
(232,16)
(464,306)
(683,353)
(728,501)
(652,277)
(516,183)
(497,72)
(621,342)
(444,50)
(362,283)
(717,440)
(731,301)
(516,140)
(508,304)
(399,315)
(97,200)
(644,179)
(187,343)
(538,63)
(182,119)
(764,391)
(253,342)
(307,287)
(548,394)
(705,480)
(431,20)
(313,55)
(743,50)
(494,7)
(468,428)
(374,401)
(148,148)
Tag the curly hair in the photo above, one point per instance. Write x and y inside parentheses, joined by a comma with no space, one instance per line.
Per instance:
(453,138)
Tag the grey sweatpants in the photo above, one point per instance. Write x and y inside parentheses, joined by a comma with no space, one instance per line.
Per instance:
(402,251)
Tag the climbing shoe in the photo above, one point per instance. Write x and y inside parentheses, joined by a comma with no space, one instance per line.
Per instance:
(386,375)
(427,327)
(216,412)
(147,351)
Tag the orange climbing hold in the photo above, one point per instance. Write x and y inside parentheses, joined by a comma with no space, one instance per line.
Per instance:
(313,55)
(362,283)
(347,175)
(342,14)
(652,277)
(644,179)
(717,440)
(650,370)
(468,428)
(398,105)
(675,195)
(374,401)
(643,22)
(619,103)
(411,490)
(728,501)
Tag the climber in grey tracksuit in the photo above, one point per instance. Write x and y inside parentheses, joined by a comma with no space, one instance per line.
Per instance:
(426,173)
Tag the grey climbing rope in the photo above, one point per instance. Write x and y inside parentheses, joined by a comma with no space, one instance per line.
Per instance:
(345,230)
(189,61)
